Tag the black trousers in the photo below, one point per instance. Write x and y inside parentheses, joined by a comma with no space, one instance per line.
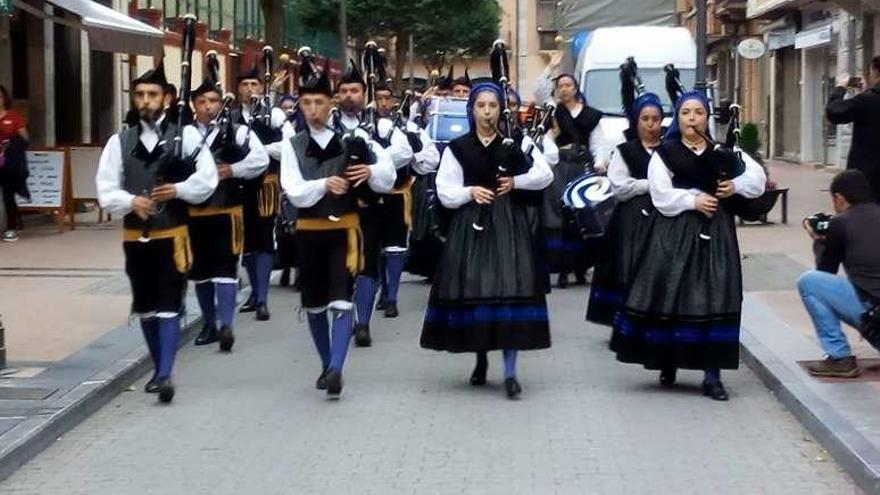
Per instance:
(13,222)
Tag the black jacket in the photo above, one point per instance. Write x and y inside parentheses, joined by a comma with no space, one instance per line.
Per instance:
(863,111)
(14,173)
(851,240)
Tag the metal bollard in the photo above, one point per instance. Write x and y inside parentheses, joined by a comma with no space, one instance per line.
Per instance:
(2,346)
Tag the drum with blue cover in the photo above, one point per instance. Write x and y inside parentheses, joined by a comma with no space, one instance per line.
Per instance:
(447,119)
(590,198)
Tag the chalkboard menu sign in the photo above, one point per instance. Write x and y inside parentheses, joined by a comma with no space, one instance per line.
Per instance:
(46,180)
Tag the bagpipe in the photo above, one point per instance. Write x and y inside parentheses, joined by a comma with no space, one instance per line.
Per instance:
(727,156)
(261,105)
(631,87)
(500,67)
(230,151)
(173,166)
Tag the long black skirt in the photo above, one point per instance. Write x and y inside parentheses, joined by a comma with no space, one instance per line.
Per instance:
(566,251)
(620,253)
(487,294)
(684,304)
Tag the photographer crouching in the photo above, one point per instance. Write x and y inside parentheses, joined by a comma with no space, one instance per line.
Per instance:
(850,238)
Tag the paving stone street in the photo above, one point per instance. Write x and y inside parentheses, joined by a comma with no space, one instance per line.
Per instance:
(252,422)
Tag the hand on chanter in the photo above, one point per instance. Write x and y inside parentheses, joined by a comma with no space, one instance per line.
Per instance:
(505,185)
(726,189)
(482,195)
(707,205)
(143,207)
(336,185)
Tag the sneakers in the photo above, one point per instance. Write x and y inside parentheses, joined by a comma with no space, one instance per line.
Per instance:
(845,367)
(10,236)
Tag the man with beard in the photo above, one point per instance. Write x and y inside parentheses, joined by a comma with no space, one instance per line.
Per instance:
(139,177)
(352,100)
(217,226)
(394,212)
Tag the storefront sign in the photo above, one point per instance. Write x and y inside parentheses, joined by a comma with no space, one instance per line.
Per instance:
(813,37)
(751,48)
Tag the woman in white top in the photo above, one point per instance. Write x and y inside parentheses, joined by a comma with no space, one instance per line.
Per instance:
(684,304)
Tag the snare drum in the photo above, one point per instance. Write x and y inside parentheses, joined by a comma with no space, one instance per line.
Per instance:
(591,201)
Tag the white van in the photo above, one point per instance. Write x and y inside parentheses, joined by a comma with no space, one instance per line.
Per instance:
(653,47)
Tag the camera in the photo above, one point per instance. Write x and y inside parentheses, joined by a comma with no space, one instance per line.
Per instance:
(819,222)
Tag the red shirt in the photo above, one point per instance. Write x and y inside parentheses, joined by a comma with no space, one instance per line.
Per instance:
(10,124)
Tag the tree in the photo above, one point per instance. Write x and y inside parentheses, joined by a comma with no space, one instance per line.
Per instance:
(273,13)
(448,25)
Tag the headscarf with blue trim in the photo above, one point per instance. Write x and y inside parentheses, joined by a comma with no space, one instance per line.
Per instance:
(674,132)
(472,99)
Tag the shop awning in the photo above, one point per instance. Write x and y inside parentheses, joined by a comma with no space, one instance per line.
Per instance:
(109,30)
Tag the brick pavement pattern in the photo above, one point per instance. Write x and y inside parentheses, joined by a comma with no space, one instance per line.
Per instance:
(252,423)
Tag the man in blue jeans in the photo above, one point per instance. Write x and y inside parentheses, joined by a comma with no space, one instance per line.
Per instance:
(853,240)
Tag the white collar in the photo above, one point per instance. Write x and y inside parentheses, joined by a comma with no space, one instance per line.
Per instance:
(322,135)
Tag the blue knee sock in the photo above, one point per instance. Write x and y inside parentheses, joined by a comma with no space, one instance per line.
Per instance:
(169,338)
(394,270)
(342,330)
(205,295)
(226,303)
(263,263)
(249,263)
(364,297)
(320,328)
(509,363)
(712,375)
(383,277)
(150,328)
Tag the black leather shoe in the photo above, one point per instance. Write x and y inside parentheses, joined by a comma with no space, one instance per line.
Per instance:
(478,377)
(715,391)
(152,386)
(513,388)
(262,313)
(391,310)
(207,336)
(250,305)
(321,383)
(380,304)
(362,335)
(166,390)
(667,377)
(226,338)
(334,385)
(562,281)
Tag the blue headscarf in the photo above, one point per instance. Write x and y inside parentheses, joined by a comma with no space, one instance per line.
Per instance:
(515,95)
(472,99)
(674,133)
(647,100)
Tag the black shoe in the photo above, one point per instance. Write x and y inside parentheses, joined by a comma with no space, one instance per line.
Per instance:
(478,377)
(513,388)
(562,281)
(321,383)
(152,386)
(362,335)
(262,313)
(667,377)
(391,310)
(715,391)
(334,385)
(250,305)
(226,338)
(166,390)
(208,335)
(380,304)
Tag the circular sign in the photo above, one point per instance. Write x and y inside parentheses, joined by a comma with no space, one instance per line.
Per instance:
(751,48)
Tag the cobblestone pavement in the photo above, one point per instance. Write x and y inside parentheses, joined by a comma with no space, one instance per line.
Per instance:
(252,423)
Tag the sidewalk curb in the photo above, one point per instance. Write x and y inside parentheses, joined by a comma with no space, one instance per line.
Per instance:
(30,437)
(855,454)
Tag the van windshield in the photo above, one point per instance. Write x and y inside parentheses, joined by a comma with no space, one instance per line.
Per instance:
(602,87)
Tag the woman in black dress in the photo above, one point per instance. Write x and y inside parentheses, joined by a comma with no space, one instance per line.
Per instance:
(487,294)
(633,216)
(567,252)
(684,303)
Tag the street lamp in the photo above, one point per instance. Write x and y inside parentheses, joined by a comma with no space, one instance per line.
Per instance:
(700,83)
